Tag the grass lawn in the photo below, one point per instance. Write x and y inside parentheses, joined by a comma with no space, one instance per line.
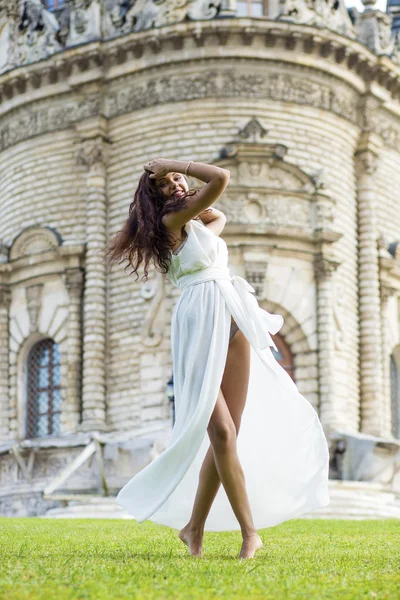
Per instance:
(111,559)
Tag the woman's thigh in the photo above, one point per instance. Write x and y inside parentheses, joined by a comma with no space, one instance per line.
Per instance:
(235,380)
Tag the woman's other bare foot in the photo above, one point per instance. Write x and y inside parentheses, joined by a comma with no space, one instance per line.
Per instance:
(193,538)
(251,543)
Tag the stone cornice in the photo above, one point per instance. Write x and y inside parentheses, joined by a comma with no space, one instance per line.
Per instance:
(43,264)
(294,63)
(259,39)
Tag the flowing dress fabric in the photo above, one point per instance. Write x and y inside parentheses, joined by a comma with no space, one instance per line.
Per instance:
(281,443)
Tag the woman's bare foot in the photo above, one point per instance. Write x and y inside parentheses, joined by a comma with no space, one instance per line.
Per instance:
(193,538)
(251,543)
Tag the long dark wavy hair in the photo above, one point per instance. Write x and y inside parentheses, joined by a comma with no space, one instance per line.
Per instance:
(143,236)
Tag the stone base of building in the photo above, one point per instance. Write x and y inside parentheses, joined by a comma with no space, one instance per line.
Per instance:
(79,475)
(349,500)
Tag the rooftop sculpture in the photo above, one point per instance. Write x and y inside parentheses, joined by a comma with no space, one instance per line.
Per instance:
(31,30)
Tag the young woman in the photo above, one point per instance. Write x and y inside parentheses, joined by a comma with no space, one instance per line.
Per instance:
(265,443)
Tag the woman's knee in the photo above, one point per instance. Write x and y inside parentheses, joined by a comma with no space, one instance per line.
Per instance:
(222,435)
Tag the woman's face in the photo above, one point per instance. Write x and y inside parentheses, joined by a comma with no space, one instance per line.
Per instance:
(172,184)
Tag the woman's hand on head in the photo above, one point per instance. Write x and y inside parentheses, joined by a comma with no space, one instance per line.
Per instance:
(158,167)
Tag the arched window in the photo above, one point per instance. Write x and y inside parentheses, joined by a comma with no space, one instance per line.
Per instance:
(283,356)
(395,396)
(251,8)
(43,390)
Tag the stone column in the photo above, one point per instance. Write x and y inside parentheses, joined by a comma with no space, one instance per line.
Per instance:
(5,301)
(73,280)
(93,154)
(330,416)
(371,364)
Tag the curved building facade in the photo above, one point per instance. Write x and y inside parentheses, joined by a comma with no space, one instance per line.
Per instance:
(301,102)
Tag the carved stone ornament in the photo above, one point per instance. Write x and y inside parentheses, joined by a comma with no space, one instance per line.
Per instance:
(34,301)
(253,131)
(387,292)
(92,151)
(34,240)
(265,189)
(366,162)
(73,281)
(374,29)
(324,265)
(40,33)
(37,33)
(322,13)
(153,290)
(144,91)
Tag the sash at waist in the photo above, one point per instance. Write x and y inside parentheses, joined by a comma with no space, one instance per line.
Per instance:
(207,274)
(259,320)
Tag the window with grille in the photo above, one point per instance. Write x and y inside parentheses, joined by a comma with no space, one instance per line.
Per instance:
(43,390)
(283,356)
(54,4)
(251,8)
(395,396)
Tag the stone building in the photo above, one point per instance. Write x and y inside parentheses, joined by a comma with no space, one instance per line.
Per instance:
(300,99)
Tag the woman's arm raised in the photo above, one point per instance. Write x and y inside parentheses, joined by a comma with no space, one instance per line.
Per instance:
(216,180)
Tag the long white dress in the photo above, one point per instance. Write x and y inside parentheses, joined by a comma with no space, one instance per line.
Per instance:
(281,444)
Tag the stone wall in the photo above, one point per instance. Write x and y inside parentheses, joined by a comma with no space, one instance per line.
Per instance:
(74,137)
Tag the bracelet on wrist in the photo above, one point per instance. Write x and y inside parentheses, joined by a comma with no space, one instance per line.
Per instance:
(187,167)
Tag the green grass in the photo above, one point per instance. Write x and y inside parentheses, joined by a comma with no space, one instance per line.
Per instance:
(116,559)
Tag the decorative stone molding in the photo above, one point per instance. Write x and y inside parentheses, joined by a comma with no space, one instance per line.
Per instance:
(143,90)
(92,152)
(37,31)
(266,190)
(320,13)
(154,290)
(40,33)
(74,281)
(38,261)
(39,251)
(355,60)
(324,265)
(254,132)
(374,29)
(34,240)
(234,82)
(373,405)
(34,304)
(63,113)
(366,161)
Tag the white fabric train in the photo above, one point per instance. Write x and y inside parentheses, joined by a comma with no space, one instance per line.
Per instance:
(281,443)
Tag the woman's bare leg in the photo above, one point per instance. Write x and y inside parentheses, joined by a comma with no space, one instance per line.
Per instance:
(222,433)
(234,386)
(234,393)
(209,482)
